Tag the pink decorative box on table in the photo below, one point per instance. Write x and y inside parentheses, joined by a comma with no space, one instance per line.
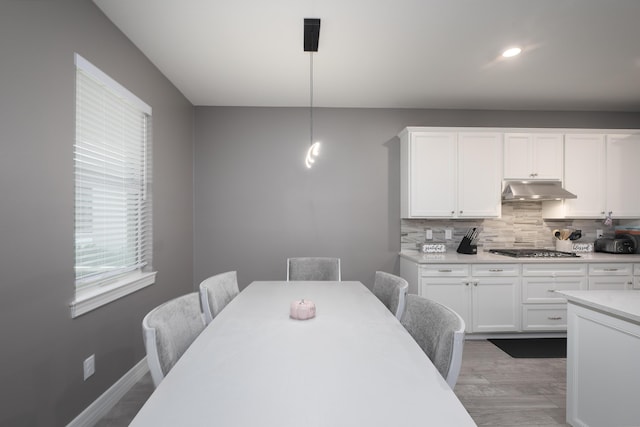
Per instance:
(302,310)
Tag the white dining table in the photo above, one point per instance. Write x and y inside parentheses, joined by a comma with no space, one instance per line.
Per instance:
(353,364)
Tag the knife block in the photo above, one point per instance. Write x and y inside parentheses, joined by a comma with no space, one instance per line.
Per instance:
(466,247)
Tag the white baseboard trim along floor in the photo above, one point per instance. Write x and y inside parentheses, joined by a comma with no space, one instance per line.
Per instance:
(107,400)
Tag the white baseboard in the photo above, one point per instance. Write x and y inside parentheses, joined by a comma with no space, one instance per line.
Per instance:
(107,400)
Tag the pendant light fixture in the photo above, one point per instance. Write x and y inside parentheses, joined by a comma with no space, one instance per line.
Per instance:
(311,38)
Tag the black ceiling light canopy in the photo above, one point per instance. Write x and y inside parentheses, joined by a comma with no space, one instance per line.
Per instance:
(311,34)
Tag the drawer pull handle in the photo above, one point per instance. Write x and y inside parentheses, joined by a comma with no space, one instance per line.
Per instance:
(554,318)
(610,269)
(496,270)
(551,290)
(445,271)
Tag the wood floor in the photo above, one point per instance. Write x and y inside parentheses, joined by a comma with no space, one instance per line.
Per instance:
(496,389)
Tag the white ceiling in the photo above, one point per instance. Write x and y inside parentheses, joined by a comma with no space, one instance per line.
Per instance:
(578,54)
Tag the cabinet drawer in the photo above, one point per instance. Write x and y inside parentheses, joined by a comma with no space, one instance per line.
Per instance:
(636,269)
(610,269)
(554,270)
(611,283)
(542,290)
(495,270)
(542,317)
(444,270)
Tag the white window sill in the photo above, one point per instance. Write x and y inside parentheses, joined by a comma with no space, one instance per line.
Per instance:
(98,296)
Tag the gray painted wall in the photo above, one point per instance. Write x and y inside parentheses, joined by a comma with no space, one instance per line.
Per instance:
(256,204)
(42,347)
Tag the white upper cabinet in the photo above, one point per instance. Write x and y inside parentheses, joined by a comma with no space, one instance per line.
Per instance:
(479,174)
(584,175)
(599,169)
(533,156)
(450,174)
(623,175)
(429,174)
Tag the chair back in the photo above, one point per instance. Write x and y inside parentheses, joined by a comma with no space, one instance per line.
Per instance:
(168,330)
(216,292)
(391,290)
(313,268)
(439,331)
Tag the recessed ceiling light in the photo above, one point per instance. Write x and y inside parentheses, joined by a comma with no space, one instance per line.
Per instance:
(514,51)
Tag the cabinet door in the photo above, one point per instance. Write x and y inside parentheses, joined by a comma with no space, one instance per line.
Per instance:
(623,175)
(432,175)
(455,293)
(547,156)
(517,156)
(584,175)
(533,156)
(496,304)
(479,175)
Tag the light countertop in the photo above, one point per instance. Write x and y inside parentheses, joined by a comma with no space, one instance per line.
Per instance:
(483,257)
(622,304)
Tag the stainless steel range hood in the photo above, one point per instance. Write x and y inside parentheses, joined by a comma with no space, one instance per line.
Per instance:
(516,191)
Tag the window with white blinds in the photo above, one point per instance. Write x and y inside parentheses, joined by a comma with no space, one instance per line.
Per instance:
(112,179)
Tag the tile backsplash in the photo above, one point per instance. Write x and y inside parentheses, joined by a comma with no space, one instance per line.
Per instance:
(521,226)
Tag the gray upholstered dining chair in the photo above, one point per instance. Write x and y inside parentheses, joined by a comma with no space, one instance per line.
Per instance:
(313,268)
(216,292)
(391,290)
(439,331)
(168,330)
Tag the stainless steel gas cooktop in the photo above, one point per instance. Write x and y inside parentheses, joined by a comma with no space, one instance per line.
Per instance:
(533,253)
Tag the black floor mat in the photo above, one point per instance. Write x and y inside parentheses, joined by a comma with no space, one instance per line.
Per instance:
(521,348)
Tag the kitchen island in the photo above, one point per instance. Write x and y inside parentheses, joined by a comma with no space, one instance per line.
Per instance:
(603,349)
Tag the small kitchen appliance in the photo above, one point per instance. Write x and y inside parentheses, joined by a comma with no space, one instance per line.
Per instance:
(620,244)
(630,231)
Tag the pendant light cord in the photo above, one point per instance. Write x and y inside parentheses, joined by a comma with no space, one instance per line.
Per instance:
(311,97)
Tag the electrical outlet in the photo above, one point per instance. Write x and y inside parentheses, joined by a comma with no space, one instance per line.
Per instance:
(448,235)
(89,366)
(598,233)
(428,234)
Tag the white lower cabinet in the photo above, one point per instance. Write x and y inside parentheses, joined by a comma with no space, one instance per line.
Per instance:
(611,276)
(542,308)
(486,296)
(514,297)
